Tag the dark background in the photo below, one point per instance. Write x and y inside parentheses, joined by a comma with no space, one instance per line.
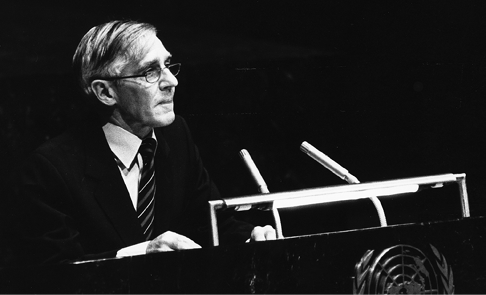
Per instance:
(388,89)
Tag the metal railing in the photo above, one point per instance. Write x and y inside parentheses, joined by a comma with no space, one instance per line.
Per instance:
(273,201)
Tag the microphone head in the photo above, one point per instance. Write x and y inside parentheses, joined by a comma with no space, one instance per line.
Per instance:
(244,153)
(245,156)
(305,147)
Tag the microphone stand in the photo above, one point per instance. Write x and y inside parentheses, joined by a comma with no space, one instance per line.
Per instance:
(262,187)
(341,173)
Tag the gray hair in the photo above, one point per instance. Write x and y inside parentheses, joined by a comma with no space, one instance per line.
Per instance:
(106,47)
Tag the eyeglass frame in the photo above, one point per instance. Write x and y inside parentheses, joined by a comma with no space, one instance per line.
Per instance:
(145,74)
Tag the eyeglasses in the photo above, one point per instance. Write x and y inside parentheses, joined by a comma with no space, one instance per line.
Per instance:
(152,75)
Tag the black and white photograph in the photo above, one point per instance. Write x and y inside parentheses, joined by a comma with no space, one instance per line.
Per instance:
(233,147)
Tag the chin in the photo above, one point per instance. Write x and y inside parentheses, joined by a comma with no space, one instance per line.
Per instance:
(166,120)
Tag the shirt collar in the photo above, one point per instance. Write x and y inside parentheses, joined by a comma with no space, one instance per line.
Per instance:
(122,143)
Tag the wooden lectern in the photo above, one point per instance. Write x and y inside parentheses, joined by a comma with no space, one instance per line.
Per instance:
(419,258)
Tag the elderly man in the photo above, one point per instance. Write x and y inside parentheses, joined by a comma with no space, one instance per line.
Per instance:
(129,180)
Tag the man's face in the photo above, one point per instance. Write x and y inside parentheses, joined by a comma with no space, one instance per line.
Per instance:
(140,105)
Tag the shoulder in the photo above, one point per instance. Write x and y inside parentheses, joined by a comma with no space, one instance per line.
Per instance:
(74,138)
(57,146)
(73,145)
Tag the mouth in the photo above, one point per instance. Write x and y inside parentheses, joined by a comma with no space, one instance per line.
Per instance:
(166,101)
(167,95)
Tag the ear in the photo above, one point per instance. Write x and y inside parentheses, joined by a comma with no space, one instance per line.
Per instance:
(104,92)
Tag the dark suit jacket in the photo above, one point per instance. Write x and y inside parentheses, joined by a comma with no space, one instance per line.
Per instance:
(71,202)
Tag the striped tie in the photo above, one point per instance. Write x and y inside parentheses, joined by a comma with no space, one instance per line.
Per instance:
(146,191)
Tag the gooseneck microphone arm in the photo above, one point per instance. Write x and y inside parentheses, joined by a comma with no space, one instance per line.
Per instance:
(255,173)
(262,187)
(327,162)
(337,169)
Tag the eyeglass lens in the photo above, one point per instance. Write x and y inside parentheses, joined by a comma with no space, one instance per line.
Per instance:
(155,76)
(174,68)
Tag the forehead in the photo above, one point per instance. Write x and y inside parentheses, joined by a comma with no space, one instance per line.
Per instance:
(149,50)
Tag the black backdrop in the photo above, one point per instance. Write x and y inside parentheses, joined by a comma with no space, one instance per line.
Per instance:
(387,89)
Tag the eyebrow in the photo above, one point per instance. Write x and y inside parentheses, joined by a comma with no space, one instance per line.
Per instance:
(152,63)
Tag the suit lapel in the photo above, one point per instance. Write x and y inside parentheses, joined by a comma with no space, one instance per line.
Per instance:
(110,190)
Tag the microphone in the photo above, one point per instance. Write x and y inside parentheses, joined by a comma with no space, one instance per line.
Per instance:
(342,173)
(262,186)
(327,162)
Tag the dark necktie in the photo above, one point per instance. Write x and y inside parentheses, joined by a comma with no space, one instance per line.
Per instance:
(146,189)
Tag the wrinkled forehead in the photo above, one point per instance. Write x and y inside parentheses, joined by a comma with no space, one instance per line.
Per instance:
(146,49)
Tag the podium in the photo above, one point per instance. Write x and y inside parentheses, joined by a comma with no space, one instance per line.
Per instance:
(432,257)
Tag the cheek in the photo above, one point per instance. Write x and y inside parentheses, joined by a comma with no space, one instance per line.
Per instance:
(142,102)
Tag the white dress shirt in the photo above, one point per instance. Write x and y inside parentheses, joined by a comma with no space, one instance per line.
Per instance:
(124,146)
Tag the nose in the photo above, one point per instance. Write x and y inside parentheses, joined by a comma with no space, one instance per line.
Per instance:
(168,79)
